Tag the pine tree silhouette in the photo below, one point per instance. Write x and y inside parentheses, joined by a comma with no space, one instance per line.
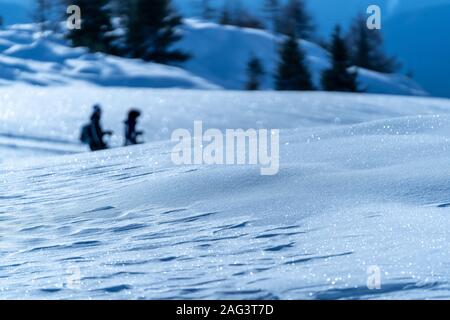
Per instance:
(151,31)
(366,48)
(234,13)
(225,16)
(338,77)
(255,71)
(296,19)
(95,27)
(292,73)
(41,15)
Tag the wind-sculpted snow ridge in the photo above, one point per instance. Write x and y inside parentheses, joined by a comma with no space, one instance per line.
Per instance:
(368,189)
(219,60)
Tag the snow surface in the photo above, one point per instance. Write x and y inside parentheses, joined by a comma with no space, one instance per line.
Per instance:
(364,181)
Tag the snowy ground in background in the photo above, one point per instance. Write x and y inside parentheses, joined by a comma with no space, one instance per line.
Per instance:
(364,181)
(219,60)
(232,47)
(419,24)
(31,57)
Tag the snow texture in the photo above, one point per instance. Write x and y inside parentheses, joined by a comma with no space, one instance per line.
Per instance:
(363,182)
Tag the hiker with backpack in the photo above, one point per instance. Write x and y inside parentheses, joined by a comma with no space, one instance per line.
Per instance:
(131,135)
(93,134)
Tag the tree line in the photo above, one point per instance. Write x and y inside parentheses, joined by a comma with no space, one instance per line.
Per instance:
(359,47)
(148,29)
(129,28)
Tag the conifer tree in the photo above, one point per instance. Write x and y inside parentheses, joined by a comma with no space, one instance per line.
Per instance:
(366,48)
(293,73)
(41,15)
(255,71)
(152,30)
(338,77)
(95,26)
(296,19)
(225,16)
(235,14)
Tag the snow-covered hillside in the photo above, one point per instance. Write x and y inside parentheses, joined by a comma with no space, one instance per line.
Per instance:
(364,181)
(420,25)
(220,56)
(31,57)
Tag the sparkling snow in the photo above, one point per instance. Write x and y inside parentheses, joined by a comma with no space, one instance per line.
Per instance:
(364,181)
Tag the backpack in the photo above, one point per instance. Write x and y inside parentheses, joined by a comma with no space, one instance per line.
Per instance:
(86,134)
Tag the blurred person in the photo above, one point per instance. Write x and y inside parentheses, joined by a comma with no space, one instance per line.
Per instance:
(93,134)
(131,134)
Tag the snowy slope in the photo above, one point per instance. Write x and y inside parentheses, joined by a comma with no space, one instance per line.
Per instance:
(421,26)
(414,31)
(220,56)
(30,57)
(363,181)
